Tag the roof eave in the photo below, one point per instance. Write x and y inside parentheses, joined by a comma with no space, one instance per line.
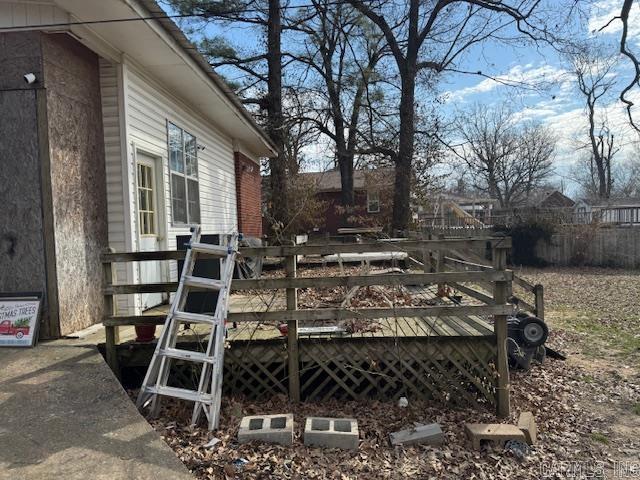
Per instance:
(174,31)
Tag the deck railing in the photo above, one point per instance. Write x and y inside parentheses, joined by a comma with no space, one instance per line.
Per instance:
(433,253)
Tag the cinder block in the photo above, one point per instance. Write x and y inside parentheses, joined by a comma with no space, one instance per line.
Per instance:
(331,433)
(527,423)
(421,434)
(267,428)
(493,432)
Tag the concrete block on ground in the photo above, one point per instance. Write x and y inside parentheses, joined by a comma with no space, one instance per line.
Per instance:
(331,433)
(527,423)
(494,432)
(421,434)
(267,428)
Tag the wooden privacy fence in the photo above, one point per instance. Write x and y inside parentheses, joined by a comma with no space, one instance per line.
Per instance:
(595,245)
(495,304)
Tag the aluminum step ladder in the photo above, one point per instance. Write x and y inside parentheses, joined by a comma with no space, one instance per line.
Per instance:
(207,397)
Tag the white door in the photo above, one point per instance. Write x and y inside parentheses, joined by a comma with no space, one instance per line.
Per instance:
(148,222)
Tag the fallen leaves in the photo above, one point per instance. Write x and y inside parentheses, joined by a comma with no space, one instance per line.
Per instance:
(573,404)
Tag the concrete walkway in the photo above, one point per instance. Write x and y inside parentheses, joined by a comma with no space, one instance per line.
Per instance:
(64,415)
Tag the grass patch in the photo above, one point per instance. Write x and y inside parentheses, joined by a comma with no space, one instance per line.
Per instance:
(636,409)
(600,438)
(600,337)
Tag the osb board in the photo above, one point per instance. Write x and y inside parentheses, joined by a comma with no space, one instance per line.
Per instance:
(22,257)
(76,149)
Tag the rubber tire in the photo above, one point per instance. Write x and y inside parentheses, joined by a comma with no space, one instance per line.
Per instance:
(19,335)
(533,320)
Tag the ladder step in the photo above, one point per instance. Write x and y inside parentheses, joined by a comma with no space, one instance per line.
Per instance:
(201,282)
(208,249)
(187,355)
(189,317)
(182,393)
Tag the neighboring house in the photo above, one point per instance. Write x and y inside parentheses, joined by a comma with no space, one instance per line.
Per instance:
(372,199)
(619,211)
(549,199)
(114,134)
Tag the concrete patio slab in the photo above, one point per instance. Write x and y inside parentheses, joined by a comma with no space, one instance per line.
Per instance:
(63,414)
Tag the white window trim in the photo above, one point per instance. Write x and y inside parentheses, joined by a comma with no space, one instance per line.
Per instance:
(185,177)
(369,201)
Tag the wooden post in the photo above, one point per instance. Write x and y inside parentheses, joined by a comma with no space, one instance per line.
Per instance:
(500,291)
(426,260)
(292,334)
(111,333)
(440,262)
(538,291)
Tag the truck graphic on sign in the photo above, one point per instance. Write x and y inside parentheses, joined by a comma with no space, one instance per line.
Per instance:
(19,328)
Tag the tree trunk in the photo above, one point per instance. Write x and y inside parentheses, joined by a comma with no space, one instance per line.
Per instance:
(402,187)
(279,204)
(345,164)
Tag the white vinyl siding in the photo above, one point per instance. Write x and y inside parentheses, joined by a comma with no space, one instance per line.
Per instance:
(109,88)
(149,108)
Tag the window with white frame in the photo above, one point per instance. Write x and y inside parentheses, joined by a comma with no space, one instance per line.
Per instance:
(373,202)
(183,169)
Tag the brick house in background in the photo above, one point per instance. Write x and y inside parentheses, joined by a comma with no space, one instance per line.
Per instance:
(372,194)
(114,134)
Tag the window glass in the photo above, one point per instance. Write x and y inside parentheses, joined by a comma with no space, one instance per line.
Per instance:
(183,164)
(178,199)
(145,200)
(194,201)
(176,157)
(373,202)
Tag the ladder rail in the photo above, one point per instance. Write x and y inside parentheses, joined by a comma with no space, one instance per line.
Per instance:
(157,361)
(208,397)
(216,342)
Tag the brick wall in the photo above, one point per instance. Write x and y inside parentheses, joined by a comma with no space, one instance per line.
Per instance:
(249,195)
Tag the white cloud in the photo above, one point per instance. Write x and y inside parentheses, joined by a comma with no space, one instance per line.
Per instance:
(604,11)
(526,77)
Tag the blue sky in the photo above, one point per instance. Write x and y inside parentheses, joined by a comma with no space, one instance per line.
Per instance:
(556,104)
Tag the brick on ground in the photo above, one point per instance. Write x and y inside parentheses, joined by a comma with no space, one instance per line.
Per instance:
(494,432)
(331,433)
(421,434)
(267,428)
(527,423)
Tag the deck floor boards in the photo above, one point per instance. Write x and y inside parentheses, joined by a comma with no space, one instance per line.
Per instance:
(448,326)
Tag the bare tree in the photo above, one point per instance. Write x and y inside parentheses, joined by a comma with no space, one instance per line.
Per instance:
(504,160)
(433,36)
(343,53)
(631,56)
(625,176)
(592,68)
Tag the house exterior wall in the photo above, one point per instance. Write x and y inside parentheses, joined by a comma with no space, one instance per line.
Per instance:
(334,218)
(22,230)
(136,110)
(119,225)
(52,178)
(76,152)
(249,195)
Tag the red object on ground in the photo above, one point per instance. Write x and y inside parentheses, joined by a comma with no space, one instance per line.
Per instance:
(145,333)
(7,328)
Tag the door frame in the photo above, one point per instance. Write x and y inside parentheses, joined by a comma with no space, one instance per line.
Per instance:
(160,198)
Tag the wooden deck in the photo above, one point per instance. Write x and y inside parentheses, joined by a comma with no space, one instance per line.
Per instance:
(444,325)
(407,341)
